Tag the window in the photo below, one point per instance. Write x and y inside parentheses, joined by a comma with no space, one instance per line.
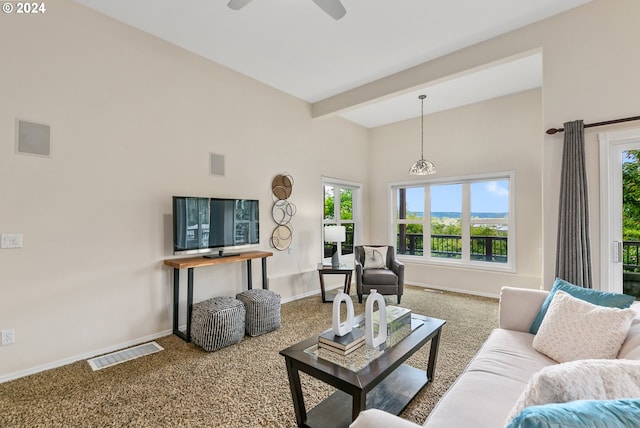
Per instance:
(467,221)
(341,202)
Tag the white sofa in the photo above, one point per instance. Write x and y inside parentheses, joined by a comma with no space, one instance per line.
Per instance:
(486,392)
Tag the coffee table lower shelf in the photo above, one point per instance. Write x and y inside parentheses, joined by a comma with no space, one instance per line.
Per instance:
(393,394)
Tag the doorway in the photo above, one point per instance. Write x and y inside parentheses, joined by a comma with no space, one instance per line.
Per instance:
(620,211)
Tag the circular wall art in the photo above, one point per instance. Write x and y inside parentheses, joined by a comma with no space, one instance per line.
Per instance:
(281,237)
(282,186)
(282,211)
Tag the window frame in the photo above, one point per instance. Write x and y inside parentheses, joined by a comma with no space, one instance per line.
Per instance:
(466,221)
(356,211)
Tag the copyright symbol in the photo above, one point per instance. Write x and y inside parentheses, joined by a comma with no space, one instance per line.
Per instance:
(7,8)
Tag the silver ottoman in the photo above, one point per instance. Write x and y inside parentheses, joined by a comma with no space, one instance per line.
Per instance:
(262,309)
(217,322)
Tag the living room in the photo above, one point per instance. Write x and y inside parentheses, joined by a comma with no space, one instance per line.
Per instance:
(133,121)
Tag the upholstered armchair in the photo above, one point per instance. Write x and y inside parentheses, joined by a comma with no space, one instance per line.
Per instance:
(378,269)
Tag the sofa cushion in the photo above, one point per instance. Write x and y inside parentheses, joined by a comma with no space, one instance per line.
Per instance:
(581,380)
(622,413)
(630,349)
(574,329)
(485,393)
(374,418)
(600,298)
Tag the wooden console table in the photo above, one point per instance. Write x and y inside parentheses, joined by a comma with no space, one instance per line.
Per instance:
(190,263)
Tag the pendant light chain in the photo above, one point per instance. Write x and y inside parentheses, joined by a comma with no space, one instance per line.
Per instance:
(422,166)
(422,97)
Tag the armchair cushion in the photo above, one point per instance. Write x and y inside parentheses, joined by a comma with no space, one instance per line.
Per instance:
(379,277)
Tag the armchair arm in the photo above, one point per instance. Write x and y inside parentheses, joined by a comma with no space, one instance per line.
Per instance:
(398,268)
(358,267)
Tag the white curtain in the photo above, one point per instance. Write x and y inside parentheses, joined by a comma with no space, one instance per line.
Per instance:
(573,259)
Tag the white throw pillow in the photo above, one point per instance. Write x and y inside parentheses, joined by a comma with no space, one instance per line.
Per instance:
(375,257)
(576,330)
(580,380)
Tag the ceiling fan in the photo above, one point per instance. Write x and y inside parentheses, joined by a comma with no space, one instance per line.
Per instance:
(334,8)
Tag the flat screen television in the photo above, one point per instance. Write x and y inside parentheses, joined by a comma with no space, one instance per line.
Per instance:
(214,225)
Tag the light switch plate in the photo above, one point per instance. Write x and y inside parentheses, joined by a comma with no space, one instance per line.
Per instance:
(11,240)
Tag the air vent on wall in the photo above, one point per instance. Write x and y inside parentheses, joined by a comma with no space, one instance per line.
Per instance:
(33,138)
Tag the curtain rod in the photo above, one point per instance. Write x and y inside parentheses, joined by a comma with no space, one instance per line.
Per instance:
(552,131)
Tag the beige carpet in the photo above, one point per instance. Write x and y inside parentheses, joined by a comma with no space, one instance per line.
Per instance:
(244,385)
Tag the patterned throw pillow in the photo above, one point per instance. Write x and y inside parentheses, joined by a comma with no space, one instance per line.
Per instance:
(575,330)
(375,257)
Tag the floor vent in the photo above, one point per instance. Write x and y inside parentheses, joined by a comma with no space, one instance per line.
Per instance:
(124,355)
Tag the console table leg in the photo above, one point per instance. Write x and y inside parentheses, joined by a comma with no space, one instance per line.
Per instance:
(189,302)
(176,300)
(249,276)
(265,285)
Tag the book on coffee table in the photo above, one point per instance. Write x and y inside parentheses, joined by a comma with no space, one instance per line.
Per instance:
(397,317)
(342,344)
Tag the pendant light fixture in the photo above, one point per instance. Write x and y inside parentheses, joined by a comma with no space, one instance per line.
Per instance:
(422,166)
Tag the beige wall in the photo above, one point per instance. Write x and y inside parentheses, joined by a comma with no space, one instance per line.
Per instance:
(494,136)
(133,120)
(590,70)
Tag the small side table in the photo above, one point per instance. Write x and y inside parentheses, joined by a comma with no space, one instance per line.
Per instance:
(345,269)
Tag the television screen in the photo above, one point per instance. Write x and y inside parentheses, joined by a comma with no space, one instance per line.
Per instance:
(202,225)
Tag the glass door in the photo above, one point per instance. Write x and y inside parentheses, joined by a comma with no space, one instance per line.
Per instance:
(620,211)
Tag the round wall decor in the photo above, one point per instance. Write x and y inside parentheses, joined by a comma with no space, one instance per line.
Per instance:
(282,186)
(281,238)
(282,211)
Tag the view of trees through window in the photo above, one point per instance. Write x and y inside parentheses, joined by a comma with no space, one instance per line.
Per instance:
(631,222)
(341,215)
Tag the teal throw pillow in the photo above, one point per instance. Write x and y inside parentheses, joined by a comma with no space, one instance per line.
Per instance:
(596,297)
(623,413)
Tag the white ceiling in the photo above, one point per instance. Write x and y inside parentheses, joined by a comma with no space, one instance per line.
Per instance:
(292,45)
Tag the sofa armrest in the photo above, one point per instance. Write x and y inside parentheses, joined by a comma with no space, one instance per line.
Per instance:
(519,307)
(375,418)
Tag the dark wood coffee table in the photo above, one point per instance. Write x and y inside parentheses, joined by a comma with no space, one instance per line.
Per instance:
(364,379)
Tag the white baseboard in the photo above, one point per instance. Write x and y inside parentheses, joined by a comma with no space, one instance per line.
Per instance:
(85,356)
(454,290)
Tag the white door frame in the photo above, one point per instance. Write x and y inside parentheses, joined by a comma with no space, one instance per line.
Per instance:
(612,144)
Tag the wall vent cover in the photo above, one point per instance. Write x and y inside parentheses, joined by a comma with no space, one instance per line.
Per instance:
(124,355)
(216,164)
(33,138)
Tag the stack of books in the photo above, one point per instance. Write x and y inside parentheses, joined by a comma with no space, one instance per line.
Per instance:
(342,345)
(397,318)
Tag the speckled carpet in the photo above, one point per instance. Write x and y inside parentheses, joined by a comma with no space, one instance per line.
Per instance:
(244,385)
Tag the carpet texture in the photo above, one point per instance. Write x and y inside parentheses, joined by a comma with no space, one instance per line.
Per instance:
(244,385)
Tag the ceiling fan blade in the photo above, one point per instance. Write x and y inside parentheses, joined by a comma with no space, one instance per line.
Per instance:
(333,7)
(238,4)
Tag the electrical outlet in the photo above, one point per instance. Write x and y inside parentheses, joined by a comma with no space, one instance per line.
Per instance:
(8,337)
